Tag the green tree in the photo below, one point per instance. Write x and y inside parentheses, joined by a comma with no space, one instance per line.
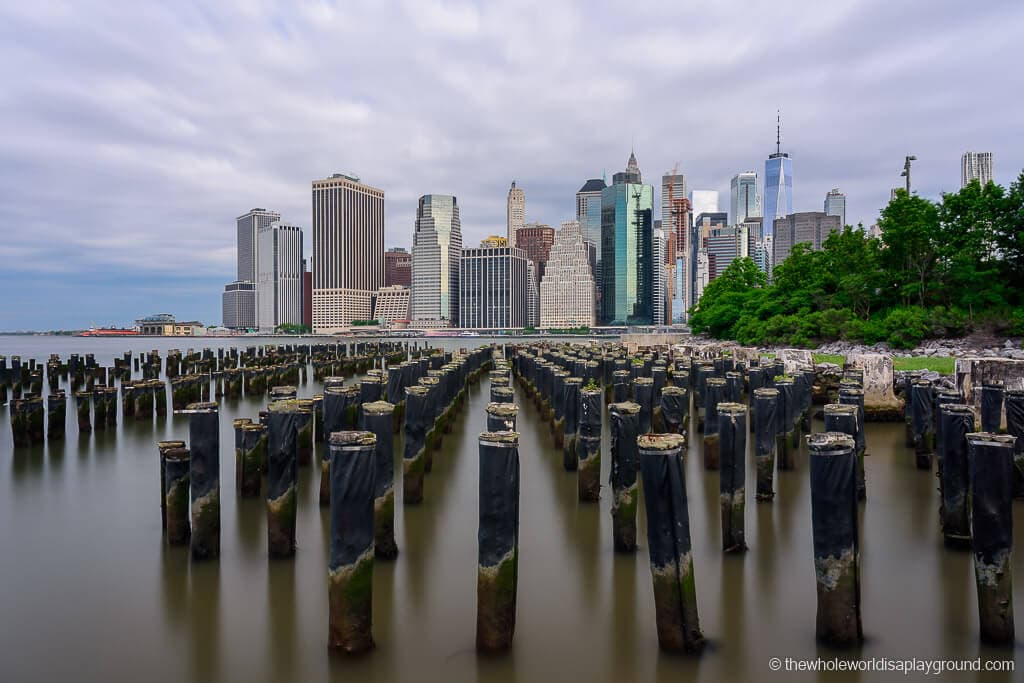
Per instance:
(724,299)
(909,227)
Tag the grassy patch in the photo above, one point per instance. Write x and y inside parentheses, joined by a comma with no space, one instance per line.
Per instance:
(940,364)
(836,358)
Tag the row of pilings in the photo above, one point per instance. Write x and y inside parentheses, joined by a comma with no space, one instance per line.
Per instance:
(353,427)
(652,398)
(101,396)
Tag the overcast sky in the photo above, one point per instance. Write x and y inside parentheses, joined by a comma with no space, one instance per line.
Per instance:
(134,133)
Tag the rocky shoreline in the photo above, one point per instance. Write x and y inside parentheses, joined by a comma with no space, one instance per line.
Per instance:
(965,347)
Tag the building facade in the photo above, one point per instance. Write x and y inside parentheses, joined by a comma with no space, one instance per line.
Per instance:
(627,250)
(397,267)
(278,276)
(247,226)
(391,305)
(164,325)
(535,239)
(743,199)
(588,213)
(515,212)
(659,281)
(348,250)
(567,288)
(835,205)
(532,295)
(493,242)
(436,251)
(975,166)
(778,189)
(492,288)
(810,227)
(238,306)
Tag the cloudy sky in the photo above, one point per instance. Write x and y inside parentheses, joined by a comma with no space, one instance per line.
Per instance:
(135,133)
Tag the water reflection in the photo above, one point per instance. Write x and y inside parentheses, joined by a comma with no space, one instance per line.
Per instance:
(204,630)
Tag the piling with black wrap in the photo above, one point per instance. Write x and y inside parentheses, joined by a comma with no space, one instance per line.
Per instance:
(253,459)
(350,564)
(175,497)
(558,408)
(625,428)
(990,458)
(701,376)
(588,445)
(283,418)
(56,415)
(734,387)
(163,448)
(765,407)
(675,409)
(833,470)
(306,425)
(957,422)
(714,393)
(732,435)
(908,404)
(204,479)
(620,386)
(643,396)
(501,417)
(99,409)
(498,541)
(992,406)
(334,405)
(377,419)
(418,415)
(806,399)
(571,406)
(785,429)
(83,411)
(850,396)
(922,423)
(844,418)
(668,542)
(1015,427)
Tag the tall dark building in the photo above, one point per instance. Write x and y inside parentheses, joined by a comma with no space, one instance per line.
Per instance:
(397,267)
(627,249)
(536,240)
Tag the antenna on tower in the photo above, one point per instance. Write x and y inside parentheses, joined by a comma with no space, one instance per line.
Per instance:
(778,131)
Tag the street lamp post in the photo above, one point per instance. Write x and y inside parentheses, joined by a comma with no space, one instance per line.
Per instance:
(906,170)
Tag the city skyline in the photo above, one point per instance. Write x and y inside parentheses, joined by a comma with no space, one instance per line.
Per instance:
(156,160)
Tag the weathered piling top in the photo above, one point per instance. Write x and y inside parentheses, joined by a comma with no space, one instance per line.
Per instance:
(353,439)
(177,454)
(288,405)
(418,390)
(624,408)
(504,439)
(662,444)
(830,443)
(502,409)
(379,408)
(165,446)
(644,381)
(673,391)
(732,409)
(990,439)
(766,392)
(839,409)
(194,408)
(239,422)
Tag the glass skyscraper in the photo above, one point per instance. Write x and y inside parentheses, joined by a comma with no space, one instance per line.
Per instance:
(743,199)
(778,189)
(436,251)
(588,213)
(627,250)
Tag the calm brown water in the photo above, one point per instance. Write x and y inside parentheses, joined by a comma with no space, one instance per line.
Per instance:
(91,593)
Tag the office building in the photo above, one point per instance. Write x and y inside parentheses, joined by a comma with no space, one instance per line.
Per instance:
(391,305)
(348,250)
(532,295)
(247,224)
(535,239)
(493,242)
(238,305)
(835,205)
(975,166)
(778,185)
(436,250)
(588,213)
(627,249)
(567,288)
(659,283)
(397,267)
(307,297)
(743,199)
(515,212)
(810,227)
(492,288)
(278,276)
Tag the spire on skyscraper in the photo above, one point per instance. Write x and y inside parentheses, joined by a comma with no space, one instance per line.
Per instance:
(631,165)
(778,131)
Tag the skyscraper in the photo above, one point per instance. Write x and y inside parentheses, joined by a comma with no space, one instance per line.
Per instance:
(835,205)
(811,227)
(975,166)
(515,212)
(743,199)
(436,250)
(238,305)
(675,222)
(536,239)
(532,295)
(778,184)
(588,213)
(247,224)
(279,273)
(397,267)
(627,250)
(659,283)
(567,289)
(348,250)
(492,288)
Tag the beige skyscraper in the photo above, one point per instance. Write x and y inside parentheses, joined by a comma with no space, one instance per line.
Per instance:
(516,212)
(567,289)
(348,250)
